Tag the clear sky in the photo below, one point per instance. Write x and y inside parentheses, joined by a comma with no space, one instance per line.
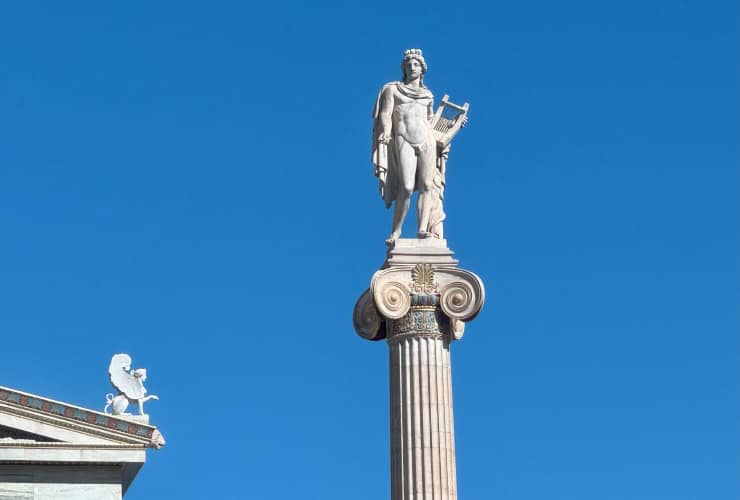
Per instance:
(189,182)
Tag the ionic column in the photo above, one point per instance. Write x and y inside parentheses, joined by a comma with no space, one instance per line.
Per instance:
(420,309)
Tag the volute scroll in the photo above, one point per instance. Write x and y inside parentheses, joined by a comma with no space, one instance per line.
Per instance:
(367,321)
(392,298)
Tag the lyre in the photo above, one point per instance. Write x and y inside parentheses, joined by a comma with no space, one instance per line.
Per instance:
(447,120)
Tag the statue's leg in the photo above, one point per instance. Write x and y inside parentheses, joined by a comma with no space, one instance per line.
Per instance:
(406,164)
(424,183)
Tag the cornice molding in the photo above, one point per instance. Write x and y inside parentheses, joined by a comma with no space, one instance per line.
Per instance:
(78,419)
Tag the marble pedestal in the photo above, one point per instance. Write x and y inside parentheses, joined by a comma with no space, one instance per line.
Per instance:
(419,302)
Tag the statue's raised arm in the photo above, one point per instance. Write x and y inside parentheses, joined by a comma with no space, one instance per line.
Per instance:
(410,144)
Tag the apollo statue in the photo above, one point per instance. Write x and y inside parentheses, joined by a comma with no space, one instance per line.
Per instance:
(410,146)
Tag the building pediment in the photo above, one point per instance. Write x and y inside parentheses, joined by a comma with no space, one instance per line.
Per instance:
(31,417)
(42,438)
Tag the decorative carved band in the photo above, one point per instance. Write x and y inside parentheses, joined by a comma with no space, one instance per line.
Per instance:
(424,300)
(417,321)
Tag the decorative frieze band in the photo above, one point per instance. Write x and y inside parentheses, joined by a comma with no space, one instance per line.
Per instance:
(76,414)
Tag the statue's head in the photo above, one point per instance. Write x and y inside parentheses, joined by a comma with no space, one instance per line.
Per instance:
(413,65)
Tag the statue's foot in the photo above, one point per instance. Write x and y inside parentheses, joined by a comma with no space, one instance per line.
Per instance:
(392,238)
(424,234)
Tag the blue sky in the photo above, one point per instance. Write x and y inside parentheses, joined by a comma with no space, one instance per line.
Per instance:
(190,183)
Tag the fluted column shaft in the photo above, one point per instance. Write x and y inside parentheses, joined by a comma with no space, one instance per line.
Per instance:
(419,302)
(421,421)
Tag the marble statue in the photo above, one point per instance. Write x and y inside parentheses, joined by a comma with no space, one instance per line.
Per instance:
(410,146)
(129,384)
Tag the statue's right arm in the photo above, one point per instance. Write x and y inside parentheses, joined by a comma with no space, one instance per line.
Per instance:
(386,112)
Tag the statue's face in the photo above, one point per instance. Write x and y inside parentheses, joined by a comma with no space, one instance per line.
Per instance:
(413,69)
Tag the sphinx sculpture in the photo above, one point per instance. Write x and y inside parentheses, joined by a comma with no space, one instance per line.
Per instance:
(129,384)
(410,146)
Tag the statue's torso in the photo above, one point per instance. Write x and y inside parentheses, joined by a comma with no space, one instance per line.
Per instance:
(410,118)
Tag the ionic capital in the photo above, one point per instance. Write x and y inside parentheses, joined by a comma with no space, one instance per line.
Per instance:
(397,290)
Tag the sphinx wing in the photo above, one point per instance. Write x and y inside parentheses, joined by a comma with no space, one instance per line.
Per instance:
(122,379)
